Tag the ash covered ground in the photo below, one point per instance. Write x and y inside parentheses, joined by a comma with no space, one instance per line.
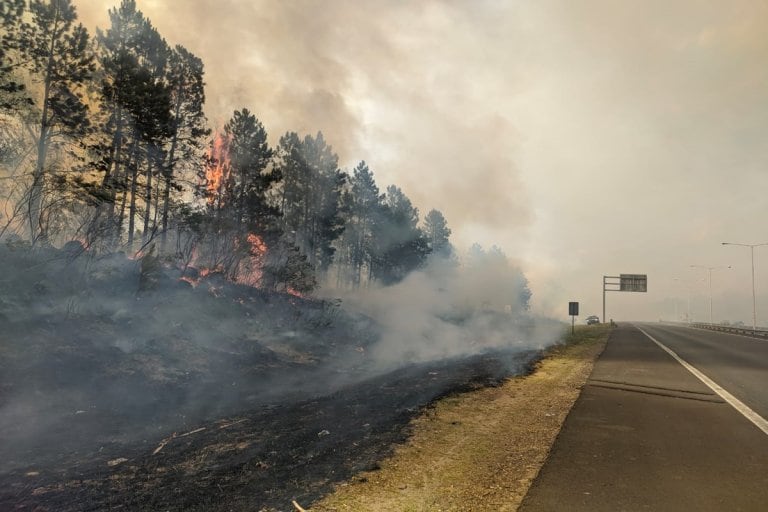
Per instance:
(124,388)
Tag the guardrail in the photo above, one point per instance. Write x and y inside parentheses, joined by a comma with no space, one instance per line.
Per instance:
(744,331)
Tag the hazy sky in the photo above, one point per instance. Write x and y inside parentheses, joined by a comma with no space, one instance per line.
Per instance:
(583,137)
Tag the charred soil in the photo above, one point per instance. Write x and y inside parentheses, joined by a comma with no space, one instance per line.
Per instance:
(120,391)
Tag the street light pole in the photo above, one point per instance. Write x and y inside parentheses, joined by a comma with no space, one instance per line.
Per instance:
(752,254)
(677,316)
(710,297)
(710,269)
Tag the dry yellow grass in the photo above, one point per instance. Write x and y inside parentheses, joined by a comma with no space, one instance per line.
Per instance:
(480,450)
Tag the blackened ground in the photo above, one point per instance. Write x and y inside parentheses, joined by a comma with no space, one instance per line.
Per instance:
(125,389)
(260,459)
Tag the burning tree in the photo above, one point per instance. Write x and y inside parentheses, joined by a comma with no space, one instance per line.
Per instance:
(242,237)
(217,171)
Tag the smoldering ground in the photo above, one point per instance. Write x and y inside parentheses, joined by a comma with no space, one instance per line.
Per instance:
(103,358)
(449,310)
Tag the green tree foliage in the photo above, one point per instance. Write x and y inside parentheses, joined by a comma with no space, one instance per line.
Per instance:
(54,49)
(401,246)
(361,204)
(437,232)
(188,125)
(310,196)
(250,180)
(136,116)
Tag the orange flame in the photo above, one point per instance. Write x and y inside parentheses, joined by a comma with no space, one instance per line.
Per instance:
(257,253)
(218,169)
(258,247)
(295,293)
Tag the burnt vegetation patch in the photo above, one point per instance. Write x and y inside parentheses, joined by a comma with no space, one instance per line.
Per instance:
(214,397)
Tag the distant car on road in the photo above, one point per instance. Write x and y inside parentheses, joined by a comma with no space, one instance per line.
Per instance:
(593,320)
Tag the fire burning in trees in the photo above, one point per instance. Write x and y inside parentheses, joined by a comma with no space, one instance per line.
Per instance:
(258,247)
(218,175)
(218,169)
(257,253)
(249,271)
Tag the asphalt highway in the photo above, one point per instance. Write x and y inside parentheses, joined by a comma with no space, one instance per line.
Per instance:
(647,434)
(737,363)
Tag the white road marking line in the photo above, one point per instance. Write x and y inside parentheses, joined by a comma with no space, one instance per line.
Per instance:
(737,404)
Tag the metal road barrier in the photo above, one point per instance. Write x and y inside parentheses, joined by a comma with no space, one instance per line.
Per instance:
(756,333)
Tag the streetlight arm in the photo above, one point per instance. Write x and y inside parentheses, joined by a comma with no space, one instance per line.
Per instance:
(744,245)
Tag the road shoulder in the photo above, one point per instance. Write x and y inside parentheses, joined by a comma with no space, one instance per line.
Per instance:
(645,434)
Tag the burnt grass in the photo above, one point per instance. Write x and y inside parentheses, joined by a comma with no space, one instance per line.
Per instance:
(123,391)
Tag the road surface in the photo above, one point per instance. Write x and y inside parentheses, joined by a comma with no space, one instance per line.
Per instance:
(647,434)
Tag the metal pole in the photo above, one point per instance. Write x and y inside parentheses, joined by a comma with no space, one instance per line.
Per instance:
(710,296)
(603,299)
(754,309)
(752,255)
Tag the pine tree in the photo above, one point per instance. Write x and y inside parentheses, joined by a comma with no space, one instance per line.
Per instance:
(401,245)
(361,204)
(150,111)
(56,51)
(250,155)
(437,233)
(242,233)
(136,110)
(311,196)
(188,123)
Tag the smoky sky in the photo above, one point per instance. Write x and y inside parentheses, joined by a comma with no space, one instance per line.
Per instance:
(584,138)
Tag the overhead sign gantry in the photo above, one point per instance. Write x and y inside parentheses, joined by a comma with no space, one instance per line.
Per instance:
(625,283)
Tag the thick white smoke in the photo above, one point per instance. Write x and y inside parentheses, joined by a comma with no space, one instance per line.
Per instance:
(449,310)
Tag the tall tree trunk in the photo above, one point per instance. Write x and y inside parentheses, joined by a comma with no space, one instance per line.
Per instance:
(132,165)
(35,201)
(157,204)
(36,229)
(147,200)
(110,181)
(169,169)
(132,207)
(166,208)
